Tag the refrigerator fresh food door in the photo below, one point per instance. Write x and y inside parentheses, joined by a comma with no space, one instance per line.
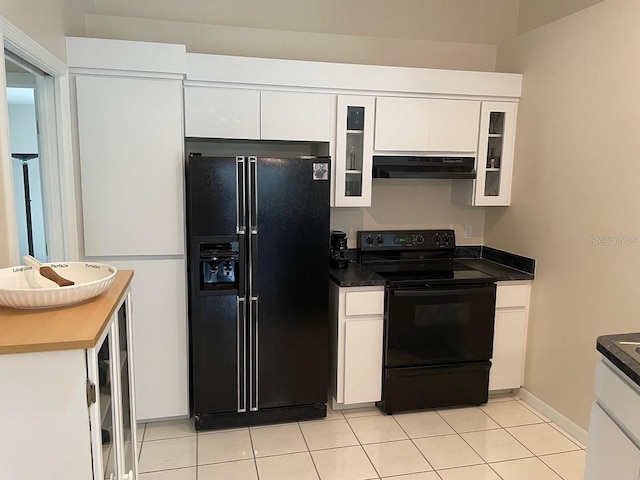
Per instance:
(289,218)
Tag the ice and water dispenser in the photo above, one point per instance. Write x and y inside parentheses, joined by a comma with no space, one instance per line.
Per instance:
(219,265)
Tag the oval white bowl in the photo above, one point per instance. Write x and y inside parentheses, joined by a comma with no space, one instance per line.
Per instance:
(24,287)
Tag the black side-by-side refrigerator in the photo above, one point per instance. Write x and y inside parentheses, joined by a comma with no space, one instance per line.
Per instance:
(258,232)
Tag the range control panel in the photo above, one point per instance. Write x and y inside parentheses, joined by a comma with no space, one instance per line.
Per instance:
(406,239)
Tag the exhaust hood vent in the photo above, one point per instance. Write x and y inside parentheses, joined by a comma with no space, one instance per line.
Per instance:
(424,167)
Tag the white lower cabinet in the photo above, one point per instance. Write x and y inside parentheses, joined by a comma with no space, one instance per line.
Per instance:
(357,336)
(610,453)
(613,449)
(70,414)
(510,335)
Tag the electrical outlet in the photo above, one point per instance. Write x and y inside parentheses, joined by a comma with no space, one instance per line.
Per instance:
(468,231)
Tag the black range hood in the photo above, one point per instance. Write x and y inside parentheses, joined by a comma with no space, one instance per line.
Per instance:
(385,166)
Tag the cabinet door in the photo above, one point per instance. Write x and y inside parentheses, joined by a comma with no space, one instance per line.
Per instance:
(610,454)
(354,148)
(222,113)
(102,372)
(363,361)
(426,125)
(495,154)
(128,464)
(159,337)
(508,349)
(295,116)
(131,143)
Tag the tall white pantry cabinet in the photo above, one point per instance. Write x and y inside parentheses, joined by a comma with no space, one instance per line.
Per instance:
(130,144)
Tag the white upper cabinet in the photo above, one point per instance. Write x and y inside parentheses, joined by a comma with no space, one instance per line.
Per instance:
(212,112)
(131,143)
(426,125)
(222,113)
(295,116)
(354,145)
(494,165)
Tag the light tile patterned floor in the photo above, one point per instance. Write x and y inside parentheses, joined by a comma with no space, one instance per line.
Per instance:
(502,440)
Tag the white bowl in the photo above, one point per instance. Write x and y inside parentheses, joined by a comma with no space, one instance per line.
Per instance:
(24,287)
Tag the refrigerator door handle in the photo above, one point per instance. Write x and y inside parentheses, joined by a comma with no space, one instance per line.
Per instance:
(242,356)
(253,354)
(253,194)
(240,196)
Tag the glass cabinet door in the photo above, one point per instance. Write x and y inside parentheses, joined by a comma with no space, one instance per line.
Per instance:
(112,414)
(354,148)
(105,413)
(127,414)
(495,153)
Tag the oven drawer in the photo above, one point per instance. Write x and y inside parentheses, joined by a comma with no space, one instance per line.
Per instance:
(431,387)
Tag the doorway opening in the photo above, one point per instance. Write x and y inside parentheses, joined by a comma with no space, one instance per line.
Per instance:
(25,157)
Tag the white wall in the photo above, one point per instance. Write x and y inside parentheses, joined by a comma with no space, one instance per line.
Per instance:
(576,185)
(420,33)
(410,204)
(47,21)
(536,13)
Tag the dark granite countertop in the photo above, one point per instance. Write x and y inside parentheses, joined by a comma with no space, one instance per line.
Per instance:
(504,266)
(609,349)
(502,273)
(355,276)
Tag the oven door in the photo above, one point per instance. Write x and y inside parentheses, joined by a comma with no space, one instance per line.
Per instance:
(439,325)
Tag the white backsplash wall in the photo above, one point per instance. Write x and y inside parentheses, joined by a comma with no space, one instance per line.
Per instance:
(407,204)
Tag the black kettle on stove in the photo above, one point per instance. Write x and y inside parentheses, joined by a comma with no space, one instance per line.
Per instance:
(339,252)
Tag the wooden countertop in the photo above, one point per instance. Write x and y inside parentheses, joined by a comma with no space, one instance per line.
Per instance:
(64,328)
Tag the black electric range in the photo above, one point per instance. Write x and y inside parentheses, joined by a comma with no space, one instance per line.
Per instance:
(439,319)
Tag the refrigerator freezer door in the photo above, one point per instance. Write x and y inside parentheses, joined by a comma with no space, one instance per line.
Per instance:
(290,265)
(216,195)
(216,364)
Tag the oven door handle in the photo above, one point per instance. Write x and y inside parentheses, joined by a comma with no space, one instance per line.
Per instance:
(430,291)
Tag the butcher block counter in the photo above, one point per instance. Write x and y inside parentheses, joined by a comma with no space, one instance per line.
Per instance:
(64,328)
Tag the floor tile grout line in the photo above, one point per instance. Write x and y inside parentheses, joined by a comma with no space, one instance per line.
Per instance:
(197,457)
(253,454)
(418,448)
(551,468)
(308,450)
(361,445)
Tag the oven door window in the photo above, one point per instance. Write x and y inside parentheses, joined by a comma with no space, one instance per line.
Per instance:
(436,326)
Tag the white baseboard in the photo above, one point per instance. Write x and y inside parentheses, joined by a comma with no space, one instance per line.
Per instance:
(556,417)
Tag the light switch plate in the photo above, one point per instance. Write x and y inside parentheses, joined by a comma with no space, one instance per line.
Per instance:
(468,231)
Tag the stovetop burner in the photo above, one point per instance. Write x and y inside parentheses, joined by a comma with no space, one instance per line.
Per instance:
(415,258)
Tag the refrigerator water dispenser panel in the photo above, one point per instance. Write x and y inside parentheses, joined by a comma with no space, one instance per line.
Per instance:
(219,266)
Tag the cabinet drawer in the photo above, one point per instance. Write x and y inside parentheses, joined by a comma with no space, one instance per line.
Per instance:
(619,398)
(364,303)
(512,296)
